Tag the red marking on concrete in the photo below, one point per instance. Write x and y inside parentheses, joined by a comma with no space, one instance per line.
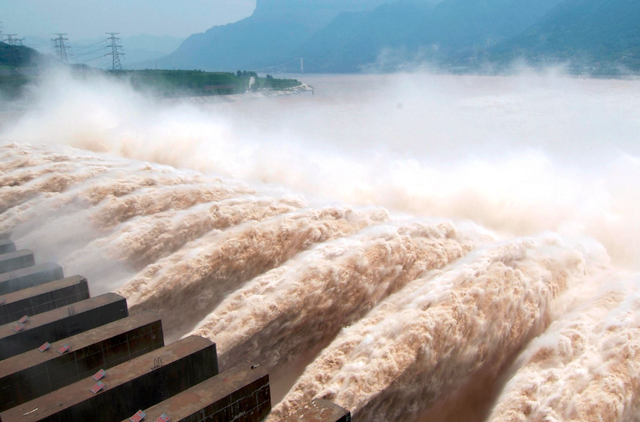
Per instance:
(99,375)
(139,416)
(97,388)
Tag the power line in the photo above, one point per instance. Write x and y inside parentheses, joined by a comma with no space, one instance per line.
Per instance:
(115,50)
(37,45)
(302,61)
(89,53)
(61,47)
(90,45)
(317,64)
(277,65)
(96,58)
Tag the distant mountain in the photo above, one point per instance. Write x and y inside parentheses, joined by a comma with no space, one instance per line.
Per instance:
(586,33)
(271,35)
(464,24)
(351,35)
(453,31)
(353,39)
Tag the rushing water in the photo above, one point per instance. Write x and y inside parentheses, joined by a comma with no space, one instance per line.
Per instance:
(412,247)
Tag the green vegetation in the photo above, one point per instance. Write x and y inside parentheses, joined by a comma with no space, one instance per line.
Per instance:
(163,83)
(178,83)
(175,83)
(20,66)
(12,56)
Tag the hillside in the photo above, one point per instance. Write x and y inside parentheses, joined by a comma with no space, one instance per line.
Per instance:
(15,56)
(451,32)
(592,34)
(352,35)
(478,23)
(356,38)
(15,61)
(272,34)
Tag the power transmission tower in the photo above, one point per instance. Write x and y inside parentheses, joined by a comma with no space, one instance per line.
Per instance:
(8,38)
(115,50)
(12,41)
(1,30)
(60,45)
(301,65)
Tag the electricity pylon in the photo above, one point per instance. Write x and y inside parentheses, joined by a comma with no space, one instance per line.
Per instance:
(115,50)
(9,39)
(60,45)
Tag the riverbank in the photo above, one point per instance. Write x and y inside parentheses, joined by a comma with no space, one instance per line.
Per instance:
(245,96)
(157,83)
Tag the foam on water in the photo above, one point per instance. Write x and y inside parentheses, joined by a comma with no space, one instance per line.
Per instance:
(423,248)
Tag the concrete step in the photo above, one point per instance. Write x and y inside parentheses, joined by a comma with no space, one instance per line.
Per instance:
(51,326)
(138,384)
(16,260)
(7,246)
(33,374)
(29,277)
(43,298)
(240,394)
(321,411)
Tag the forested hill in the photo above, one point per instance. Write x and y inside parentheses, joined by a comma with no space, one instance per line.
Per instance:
(14,56)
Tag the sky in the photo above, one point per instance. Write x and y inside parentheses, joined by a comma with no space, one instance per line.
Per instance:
(88,19)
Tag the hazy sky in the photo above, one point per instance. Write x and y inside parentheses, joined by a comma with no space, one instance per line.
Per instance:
(92,18)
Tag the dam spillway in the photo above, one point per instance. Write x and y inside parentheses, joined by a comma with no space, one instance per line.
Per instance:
(67,357)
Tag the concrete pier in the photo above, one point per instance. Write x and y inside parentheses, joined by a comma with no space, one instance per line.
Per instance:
(240,394)
(43,298)
(61,323)
(29,277)
(7,246)
(321,411)
(16,260)
(138,384)
(33,374)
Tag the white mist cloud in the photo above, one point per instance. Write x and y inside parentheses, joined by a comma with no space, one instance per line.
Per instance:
(518,154)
